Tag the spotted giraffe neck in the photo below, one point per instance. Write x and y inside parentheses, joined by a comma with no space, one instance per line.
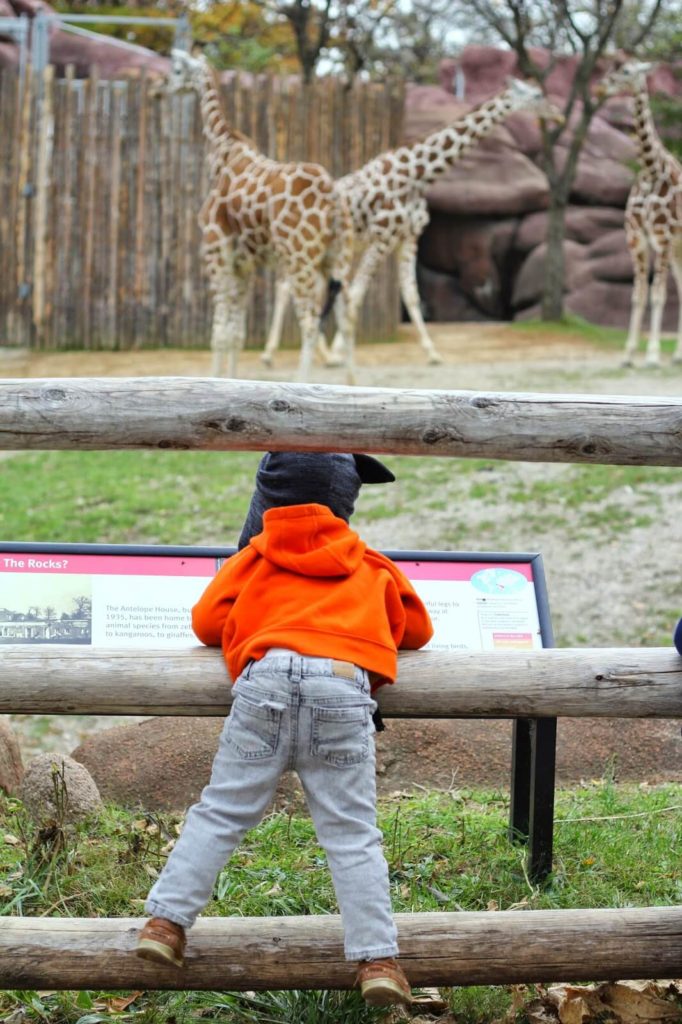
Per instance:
(219,134)
(652,152)
(438,151)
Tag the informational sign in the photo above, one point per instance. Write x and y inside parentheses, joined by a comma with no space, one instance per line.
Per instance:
(134,597)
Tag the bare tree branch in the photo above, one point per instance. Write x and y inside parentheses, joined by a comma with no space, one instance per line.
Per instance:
(646,29)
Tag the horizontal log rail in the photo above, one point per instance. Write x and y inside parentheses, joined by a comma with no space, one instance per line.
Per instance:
(240,953)
(600,682)
(226,415)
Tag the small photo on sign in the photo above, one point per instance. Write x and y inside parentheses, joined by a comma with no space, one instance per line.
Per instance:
(43,608)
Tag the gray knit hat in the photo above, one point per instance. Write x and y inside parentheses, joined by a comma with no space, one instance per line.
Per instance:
(302,478)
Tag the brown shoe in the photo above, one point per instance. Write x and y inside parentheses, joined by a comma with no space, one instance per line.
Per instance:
(162,941)
(382,983)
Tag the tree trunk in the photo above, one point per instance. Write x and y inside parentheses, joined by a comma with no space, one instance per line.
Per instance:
(553,295)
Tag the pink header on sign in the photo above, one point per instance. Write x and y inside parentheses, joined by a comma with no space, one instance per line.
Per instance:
(107,565)
(459,570)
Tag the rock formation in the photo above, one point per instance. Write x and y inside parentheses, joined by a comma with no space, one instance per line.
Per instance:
(483,254)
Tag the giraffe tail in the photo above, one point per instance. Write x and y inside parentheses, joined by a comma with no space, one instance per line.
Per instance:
(333,289)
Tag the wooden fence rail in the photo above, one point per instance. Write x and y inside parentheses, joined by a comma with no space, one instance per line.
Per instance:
(100,185)
(228,415)
(599,683)
(465,948)
(238,953)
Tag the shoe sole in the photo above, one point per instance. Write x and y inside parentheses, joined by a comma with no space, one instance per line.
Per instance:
(147,949)
(384,992)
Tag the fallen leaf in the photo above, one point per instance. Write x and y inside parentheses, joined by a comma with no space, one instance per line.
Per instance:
(521,905)
(123,1002)
(623,1002)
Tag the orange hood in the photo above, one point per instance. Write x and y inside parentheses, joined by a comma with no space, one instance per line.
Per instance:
(310,541)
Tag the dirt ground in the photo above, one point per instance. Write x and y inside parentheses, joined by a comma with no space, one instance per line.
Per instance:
(485,357)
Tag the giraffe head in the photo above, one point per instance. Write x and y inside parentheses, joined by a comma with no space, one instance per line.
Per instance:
(528,96)
(186,71)
(629,77)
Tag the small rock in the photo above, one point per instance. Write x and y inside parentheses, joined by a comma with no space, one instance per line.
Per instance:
(49,772)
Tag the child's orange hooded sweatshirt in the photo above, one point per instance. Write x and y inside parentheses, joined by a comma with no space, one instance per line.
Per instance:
(310,584)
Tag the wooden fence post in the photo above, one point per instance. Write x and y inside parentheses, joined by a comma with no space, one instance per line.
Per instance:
(45,134)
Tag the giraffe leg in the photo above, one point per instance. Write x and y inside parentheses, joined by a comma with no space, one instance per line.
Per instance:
(407,255)
(371,258)
(677,274)
(639,253)
(220,336)
(659,289)
(308,288)
(229,322)
(226,286)
(282,295)
(308,318)
(236,326)
(345,318)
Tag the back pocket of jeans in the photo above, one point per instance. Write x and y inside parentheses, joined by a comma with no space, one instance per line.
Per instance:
(253,729)
(341,735)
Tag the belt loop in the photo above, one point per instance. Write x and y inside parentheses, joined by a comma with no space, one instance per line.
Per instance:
(296,669)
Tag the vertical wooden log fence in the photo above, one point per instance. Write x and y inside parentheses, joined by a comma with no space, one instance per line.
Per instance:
(100,194)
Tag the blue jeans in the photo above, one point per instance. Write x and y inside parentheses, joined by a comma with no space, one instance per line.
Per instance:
(292,712)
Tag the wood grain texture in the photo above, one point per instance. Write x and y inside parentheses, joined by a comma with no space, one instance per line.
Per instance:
(470,948)
(229,415)
(581,683)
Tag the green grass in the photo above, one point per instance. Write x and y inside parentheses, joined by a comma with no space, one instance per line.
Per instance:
(446,851)
(575,326)
(126,497)
(202,497)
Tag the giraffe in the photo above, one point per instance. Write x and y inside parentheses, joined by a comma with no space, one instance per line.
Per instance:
(257,211)
(653,216)
(389,209)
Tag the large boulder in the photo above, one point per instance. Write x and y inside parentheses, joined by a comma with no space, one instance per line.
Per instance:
(583,224)
(530,280)
(11,765)
(500,180)
(443,298)
(604,175)
(493,179)
(157,764)
(55,785)
(474,251)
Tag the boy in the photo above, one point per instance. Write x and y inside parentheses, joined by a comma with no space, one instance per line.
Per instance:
(309,619)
